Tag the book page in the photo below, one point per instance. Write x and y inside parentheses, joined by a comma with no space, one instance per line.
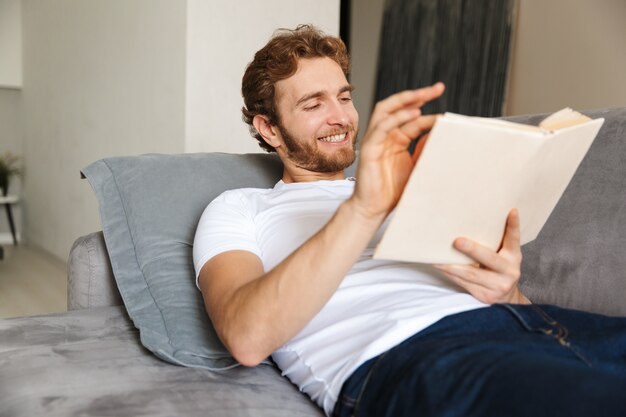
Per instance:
(562,119)
(469,176)
(555,166)
(504,124)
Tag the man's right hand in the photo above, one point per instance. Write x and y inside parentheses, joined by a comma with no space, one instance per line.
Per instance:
(384,162)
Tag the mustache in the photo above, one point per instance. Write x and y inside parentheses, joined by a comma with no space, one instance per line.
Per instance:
(349,129)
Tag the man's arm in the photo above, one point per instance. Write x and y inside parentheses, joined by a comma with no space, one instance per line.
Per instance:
(256,312)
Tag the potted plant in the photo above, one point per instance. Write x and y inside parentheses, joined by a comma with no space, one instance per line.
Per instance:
(8,167)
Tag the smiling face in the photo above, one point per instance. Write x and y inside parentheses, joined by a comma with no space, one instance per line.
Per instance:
(316,133)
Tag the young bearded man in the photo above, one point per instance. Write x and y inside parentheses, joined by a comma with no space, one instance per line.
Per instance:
(288,271)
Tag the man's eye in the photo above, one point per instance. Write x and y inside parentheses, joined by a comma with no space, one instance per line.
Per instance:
(311,107)
(346,99)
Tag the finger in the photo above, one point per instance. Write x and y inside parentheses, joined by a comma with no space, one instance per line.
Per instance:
(511,238)
(391,104)
(416,127)
(421,142)
(471,274)
(431,93)
(486,286)
(472,286)
(380,133)
(427,94)
(412,98)
(400,141)
(395,120)
(485,256)
(419,148)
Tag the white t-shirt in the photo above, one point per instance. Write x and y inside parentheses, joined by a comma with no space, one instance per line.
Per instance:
(377,306)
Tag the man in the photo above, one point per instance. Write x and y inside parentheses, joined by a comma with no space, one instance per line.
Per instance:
(288,271)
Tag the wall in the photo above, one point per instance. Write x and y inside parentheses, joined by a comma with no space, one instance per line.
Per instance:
(568,53)
(10,127)
(101,78)
(115,77)
(222,36)
(118,77)
(365,27)
(565,53)
(10,43)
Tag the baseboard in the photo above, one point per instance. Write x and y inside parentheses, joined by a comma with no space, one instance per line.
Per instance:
(7,238)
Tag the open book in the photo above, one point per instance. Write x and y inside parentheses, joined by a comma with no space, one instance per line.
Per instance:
(472,172)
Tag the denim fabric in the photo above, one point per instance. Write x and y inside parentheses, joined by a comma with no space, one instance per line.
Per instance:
(503,360)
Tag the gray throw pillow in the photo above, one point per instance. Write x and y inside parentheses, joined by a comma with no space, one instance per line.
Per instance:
(149,208)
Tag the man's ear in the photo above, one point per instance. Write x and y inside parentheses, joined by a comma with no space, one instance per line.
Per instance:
(267,130)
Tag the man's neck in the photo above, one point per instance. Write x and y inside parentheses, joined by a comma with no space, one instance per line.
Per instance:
(309,176)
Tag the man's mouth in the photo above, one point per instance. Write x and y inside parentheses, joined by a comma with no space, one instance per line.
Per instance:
(334,138)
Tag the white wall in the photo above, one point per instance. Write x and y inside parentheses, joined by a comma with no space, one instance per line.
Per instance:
(222,36)
(10,43)
(568,53)
(10,127)
(101,78)
(119,77)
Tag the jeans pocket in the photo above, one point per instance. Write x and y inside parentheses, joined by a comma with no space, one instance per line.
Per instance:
(534,319)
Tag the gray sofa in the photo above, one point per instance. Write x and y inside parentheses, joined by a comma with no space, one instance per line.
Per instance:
(136,340)
(90,362)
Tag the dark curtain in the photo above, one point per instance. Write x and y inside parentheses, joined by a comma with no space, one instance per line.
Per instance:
(463,43)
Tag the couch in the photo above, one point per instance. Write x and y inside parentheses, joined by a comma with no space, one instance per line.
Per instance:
(136,340)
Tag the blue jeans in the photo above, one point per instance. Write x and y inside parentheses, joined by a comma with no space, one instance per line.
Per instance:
(504,360)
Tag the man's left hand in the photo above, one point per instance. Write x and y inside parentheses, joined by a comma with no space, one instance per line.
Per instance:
(495,276)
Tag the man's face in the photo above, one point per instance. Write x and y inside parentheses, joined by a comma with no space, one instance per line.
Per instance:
(317,119)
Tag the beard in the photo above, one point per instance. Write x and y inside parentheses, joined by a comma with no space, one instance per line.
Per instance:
(307,156)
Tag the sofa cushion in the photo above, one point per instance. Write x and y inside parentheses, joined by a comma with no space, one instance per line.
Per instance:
(579,258)
(149,209)
(89,363)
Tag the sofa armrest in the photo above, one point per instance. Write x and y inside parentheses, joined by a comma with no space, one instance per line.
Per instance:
(90,281)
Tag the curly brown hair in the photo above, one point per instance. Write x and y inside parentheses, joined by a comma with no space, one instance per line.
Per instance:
(278,60)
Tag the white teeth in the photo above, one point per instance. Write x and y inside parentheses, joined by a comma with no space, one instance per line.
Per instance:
(334,138)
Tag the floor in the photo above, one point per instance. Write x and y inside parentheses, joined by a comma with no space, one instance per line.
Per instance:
(32,282)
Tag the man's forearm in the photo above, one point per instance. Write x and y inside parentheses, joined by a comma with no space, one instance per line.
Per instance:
(265,313)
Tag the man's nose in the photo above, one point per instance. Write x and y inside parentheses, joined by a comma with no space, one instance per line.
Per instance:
(338,114)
